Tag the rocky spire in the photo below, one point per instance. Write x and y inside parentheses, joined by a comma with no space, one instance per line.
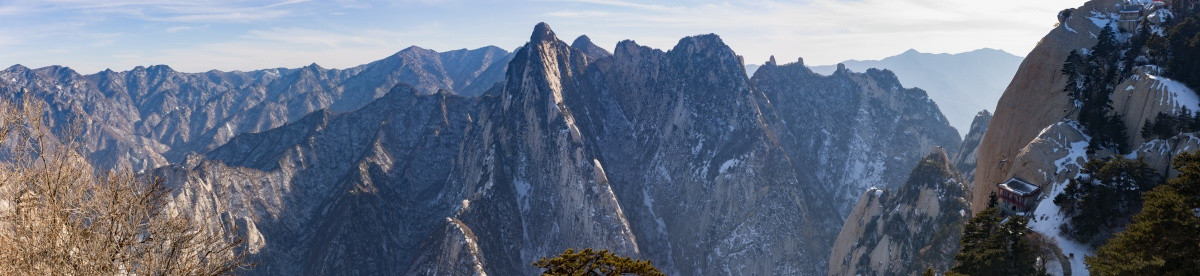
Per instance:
(542,32)
(585,45)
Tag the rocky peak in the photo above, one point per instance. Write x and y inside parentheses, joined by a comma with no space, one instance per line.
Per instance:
(412,50)
(584,44)
(627,48)
(160,70)
(16,73)
(903,231)
(16,68)
(708,44)
(542,33)
(885,78)
(57,72)
(966,158)
(772,69)
(709,54)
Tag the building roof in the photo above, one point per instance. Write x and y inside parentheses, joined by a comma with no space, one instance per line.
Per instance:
(1020,187)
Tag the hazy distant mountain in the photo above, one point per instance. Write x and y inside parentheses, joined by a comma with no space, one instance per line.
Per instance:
(751,68)
(961,84)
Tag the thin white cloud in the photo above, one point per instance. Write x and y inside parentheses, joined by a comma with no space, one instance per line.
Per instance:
(163,10)
(8,40)
(626,4)
(176,29)
(297,36)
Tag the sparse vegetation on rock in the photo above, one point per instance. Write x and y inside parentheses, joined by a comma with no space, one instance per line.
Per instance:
(59,216)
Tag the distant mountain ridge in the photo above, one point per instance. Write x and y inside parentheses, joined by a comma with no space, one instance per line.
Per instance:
(154,116)
(962,84)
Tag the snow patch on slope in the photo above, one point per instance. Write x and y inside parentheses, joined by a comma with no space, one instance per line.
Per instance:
(1048,217)
(1180,93)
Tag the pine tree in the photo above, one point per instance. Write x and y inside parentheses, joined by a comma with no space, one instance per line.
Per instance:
(1164,238)
(1183,42)
(1071,70)
(1188,165)
(592,262)
(1090,82)
(1104,196)
(990,247)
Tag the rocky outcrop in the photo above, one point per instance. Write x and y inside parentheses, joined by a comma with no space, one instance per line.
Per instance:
(345,193)
(968,154)
(852,131)
(1034,99)
(1146,94)
(904,231)
(584,44)
(532,181)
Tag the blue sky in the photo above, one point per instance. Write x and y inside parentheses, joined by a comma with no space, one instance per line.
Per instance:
(194,36)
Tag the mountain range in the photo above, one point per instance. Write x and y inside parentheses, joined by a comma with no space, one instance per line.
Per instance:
(961,84)
(481,161)
(154,116)
(676,156)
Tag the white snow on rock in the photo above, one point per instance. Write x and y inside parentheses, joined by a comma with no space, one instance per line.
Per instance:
(1077,156)
(1182,95)
(1101,19)
(1048,218)
(729,164)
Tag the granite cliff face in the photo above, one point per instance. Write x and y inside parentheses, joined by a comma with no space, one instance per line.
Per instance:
(154,116)
(906,230)
(703,166)
(1034,99)
(967,156)
(532,182)
(677,156)
(852,131)
(335,193)
(1035,134)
